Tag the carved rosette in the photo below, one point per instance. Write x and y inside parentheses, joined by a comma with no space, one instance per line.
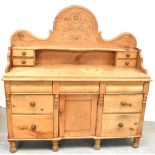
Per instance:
(75,23)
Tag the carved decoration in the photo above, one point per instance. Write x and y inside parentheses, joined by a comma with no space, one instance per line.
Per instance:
(74,26)
(75,23)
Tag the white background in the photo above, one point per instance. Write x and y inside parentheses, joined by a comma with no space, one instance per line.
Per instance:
(113,16)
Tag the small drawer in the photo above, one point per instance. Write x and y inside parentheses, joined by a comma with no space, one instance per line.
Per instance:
(23,53)
(31,87)
(120,125)
(122,103)
(32,126)
(126,62)
(124,55)
(79,87)
(23,62)
(124,88)
(32,104)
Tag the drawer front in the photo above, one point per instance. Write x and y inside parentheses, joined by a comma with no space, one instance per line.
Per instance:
(23,53)
(124,55)
(120,125)
(126,63)
(79,87)
(23,62)
(31,87)
(32,126)
(124,88)
(32,104)
(122,103)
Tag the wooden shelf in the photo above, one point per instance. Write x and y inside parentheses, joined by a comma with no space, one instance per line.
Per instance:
(75,48)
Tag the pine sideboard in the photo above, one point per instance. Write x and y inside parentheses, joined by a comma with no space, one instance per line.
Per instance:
(74,84)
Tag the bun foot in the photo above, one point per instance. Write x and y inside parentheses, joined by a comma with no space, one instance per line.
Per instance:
(136,142)
(97,144)
(13,148)
(55,145)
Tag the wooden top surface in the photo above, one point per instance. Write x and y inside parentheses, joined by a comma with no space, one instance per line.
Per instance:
(75,73)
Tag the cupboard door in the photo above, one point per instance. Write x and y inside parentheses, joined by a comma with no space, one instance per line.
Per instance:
(77,115)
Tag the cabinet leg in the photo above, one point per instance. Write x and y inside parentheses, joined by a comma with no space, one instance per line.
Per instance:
(136,141)
(55,145)
(97,144)
(13,148)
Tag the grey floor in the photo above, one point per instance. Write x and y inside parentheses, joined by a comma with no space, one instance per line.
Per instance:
(115,146)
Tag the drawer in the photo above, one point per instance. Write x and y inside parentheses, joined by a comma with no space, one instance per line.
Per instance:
(31,87)
(32,126)
(120,125)
(23,53)
(23,62)
(124,88)
(123,103)
(32,104)
(126,62)
(124,55)
(79,87)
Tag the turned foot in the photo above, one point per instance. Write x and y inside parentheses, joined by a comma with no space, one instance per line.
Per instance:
(55,145)
(136,142)
(13,148)
(97,144)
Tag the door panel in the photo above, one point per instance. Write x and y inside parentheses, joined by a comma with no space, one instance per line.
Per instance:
(77,115)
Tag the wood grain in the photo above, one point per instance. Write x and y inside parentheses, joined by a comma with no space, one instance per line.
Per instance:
(78,121)
(120,125)
(23,126)
(32,104)
(74,84)
(123,103)
(31,87)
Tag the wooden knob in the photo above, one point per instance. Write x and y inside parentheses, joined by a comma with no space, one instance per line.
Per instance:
(23,53)
(127,63)
(123,103)
(126,104)
(128,55)
(23,62)
(32,104)
(33,127)
(120,125)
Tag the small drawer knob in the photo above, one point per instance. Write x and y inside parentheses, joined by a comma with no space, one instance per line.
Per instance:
(128,55)
(121,125)
(23,62)
(33,127)
(23,53)
(32,104)
(123,103)
(127,63)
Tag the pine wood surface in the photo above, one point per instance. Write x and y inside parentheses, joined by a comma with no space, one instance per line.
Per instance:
(74,72)
(74,84)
